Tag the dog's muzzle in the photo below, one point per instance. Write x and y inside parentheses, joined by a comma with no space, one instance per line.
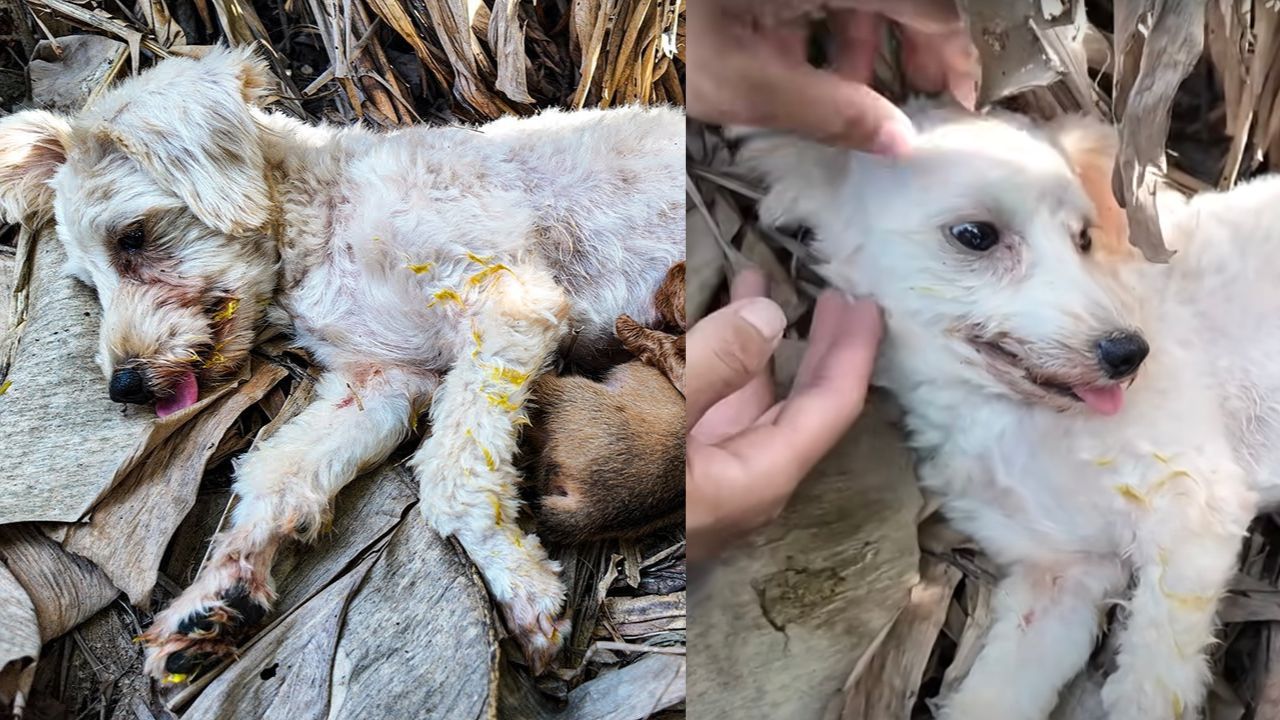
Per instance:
(1120,354)
(129,386)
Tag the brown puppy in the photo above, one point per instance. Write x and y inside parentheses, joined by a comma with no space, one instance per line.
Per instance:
(606,458)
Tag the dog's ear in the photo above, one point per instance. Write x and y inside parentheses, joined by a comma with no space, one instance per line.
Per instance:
(191,127)
(1090,147)
(33,145)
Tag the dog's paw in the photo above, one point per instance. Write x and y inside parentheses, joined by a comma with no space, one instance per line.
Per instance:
(539,634)
(194,633)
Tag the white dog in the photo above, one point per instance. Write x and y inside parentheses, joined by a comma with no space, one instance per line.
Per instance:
(430,266)
(1018,328)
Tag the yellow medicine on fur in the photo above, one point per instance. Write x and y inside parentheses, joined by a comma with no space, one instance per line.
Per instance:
(486,273)
(175,678)
(446,295)
(497,510)
(509,375)
(1129,493)
(216,358)
(1162,459)
(4,386)
(1103,462)
(479,260)
(503,401)
(420,268)
(227,312)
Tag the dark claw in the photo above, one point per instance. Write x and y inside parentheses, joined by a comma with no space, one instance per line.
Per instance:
(197,623)
(181,663)
(251,613)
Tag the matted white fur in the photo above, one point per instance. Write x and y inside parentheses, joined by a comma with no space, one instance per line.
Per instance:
(445,262)
(1145,508)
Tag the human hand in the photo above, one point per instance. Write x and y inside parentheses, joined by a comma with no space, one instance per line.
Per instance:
(747,453)
(753,70)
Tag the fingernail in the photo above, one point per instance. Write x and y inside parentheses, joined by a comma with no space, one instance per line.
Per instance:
(894,139)
(765,316)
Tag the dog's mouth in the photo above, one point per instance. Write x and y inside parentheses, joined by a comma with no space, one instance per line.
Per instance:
(1105,397)
(185,393)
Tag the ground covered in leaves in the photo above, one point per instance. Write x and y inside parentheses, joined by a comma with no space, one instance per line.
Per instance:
(107,513)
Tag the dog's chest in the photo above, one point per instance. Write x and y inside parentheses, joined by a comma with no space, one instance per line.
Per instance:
(1036,484)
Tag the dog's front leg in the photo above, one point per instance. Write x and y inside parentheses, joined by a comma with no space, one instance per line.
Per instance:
(465,468)
(1184,555)
(1046,619)
(283,489)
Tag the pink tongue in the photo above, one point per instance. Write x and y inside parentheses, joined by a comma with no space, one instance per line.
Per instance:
(1105,400)
(184,396)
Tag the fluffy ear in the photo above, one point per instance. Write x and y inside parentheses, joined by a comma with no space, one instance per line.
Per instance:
(1090,146)
(188,123)
(33,145)
(800,175)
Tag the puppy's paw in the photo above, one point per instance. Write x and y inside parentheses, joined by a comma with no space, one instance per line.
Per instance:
(195,632)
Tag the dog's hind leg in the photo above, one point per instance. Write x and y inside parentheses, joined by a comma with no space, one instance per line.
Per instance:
(465,468)
(283,488)
(1046,618)
(1184,558)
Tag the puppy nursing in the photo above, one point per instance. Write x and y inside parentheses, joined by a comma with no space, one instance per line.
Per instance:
(430,266)
(1103,427)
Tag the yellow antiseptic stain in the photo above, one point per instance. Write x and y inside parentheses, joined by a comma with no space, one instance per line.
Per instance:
(475,335)
(4,386)
(497,509)
(420,268)
(1177,707)
(507,375)
(446,295)
(228,311)
(1128,492)
(216,358)
(175,678)
(502,400)
(487,273)
(1103,462)
(479,260)
(1160,458)
(192,356)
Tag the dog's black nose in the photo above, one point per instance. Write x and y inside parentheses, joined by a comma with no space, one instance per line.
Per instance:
(1121,353)
(128,386)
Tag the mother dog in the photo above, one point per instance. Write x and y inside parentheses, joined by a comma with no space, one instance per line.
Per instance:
(429,266)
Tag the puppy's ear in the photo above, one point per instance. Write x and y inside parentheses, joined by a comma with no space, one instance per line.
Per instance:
(800,175)
(192,128)
(33,145)
(1090,146)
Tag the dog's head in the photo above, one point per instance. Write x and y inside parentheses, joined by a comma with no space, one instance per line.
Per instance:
(985,246)
(161,198)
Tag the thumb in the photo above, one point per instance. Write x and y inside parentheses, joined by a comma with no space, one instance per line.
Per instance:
(728,348)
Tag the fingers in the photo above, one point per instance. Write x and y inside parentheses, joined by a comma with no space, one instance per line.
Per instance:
(742,408)
(857,39)
(828,395)
(727,349)
(824,106)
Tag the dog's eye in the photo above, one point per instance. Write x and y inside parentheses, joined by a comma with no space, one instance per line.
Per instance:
(133,238)
(979,236)
(1084,241)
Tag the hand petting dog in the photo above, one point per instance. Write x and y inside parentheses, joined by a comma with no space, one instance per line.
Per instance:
(753,67)
(746,452)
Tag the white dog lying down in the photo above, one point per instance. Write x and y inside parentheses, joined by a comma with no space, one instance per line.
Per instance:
(1018,329)
(438,266)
